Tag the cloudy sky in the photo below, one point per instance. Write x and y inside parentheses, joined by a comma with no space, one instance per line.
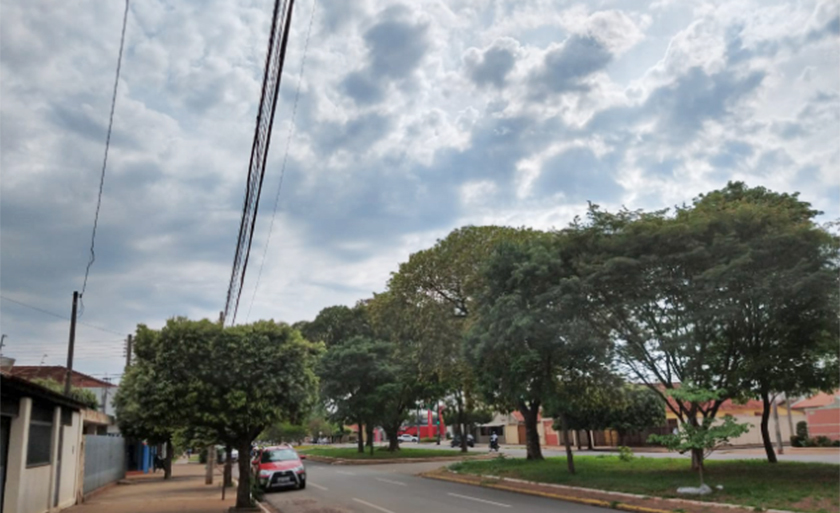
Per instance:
(413,118)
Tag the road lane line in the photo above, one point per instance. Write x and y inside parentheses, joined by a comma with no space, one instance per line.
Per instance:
(389,481)
(345,473)
(374,506)
(324,488)
(480,500)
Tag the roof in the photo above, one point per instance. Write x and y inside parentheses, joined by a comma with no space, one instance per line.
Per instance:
(816,401)
(12,386)
(58,373)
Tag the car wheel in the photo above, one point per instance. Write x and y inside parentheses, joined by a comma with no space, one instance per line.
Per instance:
(302,485)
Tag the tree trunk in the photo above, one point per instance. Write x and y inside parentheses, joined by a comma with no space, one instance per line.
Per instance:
(243,491)
(461,424)
(570,458)
(393,441)
(589,439)
(579,440)
(228,477)
(532,436)
(697,460)
(369,429)
(765,431)
(167,463)
(361,441)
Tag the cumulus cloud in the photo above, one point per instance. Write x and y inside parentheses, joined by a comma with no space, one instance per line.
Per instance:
(413,119)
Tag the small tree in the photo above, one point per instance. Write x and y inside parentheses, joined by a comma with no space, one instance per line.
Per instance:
(702,438)
(83,395)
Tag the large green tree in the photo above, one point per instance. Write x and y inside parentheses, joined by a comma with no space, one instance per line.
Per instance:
(352,376)
(778,291)
(529,347)
(335,324)
(148,405)
(437,289)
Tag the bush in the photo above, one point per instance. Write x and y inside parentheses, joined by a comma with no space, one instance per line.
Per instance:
(835,443)
(428,440)
(821,441)
(796,441)
(802,430)
(625,453)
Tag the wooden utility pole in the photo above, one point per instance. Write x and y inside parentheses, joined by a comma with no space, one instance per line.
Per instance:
(128,349)
(211,464)
(778,427)
(71,344)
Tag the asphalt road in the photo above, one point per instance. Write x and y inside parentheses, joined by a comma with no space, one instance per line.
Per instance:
(394,489)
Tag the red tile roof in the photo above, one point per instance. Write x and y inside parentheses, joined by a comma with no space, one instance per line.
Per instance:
(57,372)
(816,401)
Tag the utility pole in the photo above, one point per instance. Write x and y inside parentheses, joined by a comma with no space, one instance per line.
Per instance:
(105,396)
(778,427)
(71,344)
(211,449)
(2,342)
(128,352)
(788,403)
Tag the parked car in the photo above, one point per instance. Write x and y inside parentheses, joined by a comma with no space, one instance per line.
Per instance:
(456,441)
(279,467)
(405,437)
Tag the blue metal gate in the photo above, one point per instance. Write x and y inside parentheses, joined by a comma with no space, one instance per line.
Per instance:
(104,461)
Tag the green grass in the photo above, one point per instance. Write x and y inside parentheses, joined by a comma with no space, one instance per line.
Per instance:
(381,453)
(798,486)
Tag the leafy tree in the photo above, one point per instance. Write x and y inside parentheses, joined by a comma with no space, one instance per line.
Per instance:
(336,324)
(436,290)
(646,281)
(528,345)
(351,374)
(639,408)
(779,284)
(285,432)
(706,436)
(83,395)
(148,406)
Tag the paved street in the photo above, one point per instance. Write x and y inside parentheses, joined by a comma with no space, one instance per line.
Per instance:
(394,489)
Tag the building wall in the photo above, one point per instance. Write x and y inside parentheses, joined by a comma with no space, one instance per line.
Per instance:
(512,434)
(36,490)
(70,455)
(824,422)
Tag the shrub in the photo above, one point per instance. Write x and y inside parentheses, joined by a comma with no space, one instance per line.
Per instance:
(802,430)
(796,441)
(835,443)
(821,441)
(625,453)
(428,440)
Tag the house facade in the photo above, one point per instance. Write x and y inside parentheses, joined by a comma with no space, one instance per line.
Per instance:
(104,390)
(822,413)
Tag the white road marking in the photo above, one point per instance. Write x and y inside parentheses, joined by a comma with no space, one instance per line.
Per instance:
(374,506)
(389,481)
(324,488)
(480,500)
(346,473)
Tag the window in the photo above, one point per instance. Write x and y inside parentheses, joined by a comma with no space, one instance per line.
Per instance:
(278,455)
(39,449)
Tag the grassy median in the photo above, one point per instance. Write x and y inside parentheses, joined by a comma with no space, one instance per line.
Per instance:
(381,453)
(811,487)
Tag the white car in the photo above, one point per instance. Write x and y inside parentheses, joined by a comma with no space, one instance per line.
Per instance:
(405,437)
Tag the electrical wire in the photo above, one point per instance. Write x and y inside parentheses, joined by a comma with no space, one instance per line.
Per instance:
(105,159)
(47,312)
(285,159)
(275,57)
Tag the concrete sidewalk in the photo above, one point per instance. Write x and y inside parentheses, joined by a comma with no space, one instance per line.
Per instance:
(185,492)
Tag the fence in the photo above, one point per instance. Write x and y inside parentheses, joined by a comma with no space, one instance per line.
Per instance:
(104,461)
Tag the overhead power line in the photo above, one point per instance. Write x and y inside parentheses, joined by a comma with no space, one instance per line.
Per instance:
(285,159)
(47,312)
(275,56)
(105,158)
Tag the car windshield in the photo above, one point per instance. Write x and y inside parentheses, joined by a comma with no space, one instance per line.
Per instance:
(278,455)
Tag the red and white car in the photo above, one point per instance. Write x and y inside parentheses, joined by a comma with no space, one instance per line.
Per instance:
(279,467)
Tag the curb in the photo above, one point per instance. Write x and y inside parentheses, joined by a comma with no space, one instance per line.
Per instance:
(582,500)
(260,504)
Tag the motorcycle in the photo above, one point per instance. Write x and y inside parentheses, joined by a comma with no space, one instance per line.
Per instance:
(494,445)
